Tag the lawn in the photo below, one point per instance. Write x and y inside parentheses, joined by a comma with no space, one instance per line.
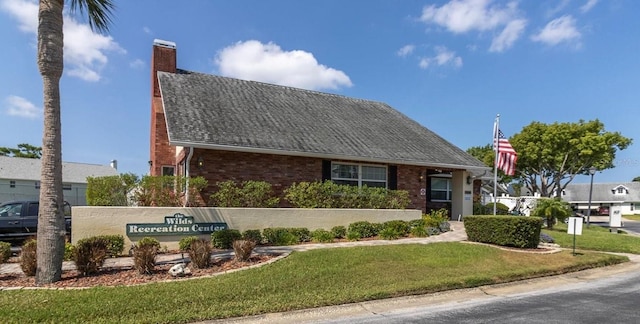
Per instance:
(632,217)
(302,280)
(595,238)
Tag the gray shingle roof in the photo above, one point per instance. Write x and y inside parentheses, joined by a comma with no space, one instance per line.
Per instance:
(209,111)
(14,168)
(602,192)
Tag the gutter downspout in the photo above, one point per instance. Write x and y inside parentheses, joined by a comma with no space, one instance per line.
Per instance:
(187,175)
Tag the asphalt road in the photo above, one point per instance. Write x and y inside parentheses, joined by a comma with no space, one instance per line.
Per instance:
(604,295)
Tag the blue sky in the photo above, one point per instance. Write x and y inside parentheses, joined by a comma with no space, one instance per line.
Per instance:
(451,65)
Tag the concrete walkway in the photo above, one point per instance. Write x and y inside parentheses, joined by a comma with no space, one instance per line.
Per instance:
(457,233)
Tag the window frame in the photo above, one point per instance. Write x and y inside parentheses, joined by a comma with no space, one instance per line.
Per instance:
(448,190)
(360,178)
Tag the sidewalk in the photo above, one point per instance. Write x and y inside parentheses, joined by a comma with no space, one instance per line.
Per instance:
(457,233)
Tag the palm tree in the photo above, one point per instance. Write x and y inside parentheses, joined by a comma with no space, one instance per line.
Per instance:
(552,209)
(51,226)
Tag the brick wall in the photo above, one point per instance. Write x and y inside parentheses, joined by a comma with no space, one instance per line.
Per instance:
(160,152)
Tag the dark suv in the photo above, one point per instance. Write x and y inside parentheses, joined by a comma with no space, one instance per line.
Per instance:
(19,219)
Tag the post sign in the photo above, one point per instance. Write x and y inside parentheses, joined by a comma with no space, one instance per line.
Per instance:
(177,224)
(574,226)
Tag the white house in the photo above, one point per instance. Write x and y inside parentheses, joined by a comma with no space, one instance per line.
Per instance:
(20,179)
(623,196)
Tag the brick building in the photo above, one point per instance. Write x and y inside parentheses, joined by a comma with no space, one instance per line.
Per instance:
(228,129)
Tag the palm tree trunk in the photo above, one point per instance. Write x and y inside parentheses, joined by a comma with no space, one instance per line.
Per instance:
(51,229)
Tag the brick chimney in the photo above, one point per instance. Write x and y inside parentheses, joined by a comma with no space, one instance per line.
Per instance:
(161,153)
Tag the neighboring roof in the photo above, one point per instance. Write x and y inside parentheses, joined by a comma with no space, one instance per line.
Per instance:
(15,168)
(214,112)
(602,192)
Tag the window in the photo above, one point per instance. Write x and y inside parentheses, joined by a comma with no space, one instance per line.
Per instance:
(168,170)
(66,186)
(12,184)
(440,189)
(359,175)
(37,184)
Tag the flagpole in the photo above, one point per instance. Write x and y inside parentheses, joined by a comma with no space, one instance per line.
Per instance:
(496,129)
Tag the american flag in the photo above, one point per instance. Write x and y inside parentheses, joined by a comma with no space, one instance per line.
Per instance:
(507,156)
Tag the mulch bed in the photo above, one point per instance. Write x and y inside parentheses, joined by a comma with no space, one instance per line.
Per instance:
(128,276)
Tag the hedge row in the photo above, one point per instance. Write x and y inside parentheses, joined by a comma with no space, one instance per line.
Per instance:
(520,232)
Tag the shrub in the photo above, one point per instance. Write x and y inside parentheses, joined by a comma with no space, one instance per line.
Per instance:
(252,194)
(303,234)
(144,257)
(115,244)
(419,231)
(161,191)
(223,239)
(252,235)
(339,231)
(501,209)
(389,233)
(353,236)
(322,236)
(69,250)
(328,194)
(279,236)
(149,241)
(5,251)
(399,226)
(364,229)
(110,190)
(28,261)
(200,253)
(243,249)
(185,243)
(89,255)
(521,232)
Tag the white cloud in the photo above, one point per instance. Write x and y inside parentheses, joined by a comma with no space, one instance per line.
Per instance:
(443,57)
(147,30)
(462,16)
(253,60)
(559,30)
(588,6)
(508,36)
(137,64)
(405,50)
(559,6)
(21,107)
(84,50)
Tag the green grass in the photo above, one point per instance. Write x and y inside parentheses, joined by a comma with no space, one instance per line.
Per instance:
(632,217)
(595,238)
(302,280)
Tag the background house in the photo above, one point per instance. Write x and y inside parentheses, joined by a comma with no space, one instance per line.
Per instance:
(229,129)
(20,179)
(625,196)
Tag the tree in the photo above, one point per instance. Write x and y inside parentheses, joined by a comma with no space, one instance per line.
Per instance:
(636,179)
(552,209)
(487,155)
(51,227)
(550,156)
(23,151)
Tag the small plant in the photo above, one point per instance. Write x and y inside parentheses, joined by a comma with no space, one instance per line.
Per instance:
(223,239)
(252,235)
(364,229)
(419,231)
(5,251)
(28,261)
(353,236)
(185,242)
(115,244)
(399,226)
(339,231)
(302,233)
(279,236)
(69,250)
(89,255)
(389,233)
(200,253)
(243,249)
(322,236)
(144,255)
